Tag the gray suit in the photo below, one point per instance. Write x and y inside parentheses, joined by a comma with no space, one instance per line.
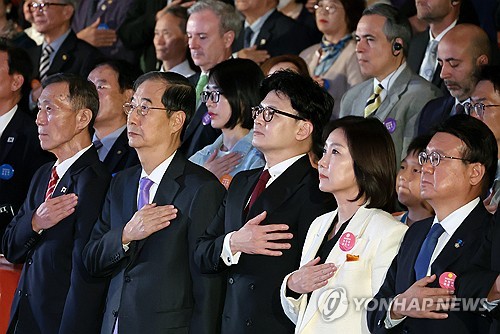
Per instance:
(402,105)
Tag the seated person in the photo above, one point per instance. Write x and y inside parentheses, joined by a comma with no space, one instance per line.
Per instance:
(285,62)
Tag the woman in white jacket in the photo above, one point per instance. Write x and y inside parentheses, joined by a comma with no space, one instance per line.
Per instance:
(347,252)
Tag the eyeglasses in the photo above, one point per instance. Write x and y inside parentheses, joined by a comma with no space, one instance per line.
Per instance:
(478,108)
(329,9)
(43,6)
(268,113)
(434,158)
(214,96)
(142,110)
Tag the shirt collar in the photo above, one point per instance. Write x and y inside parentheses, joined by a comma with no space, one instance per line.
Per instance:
(388,81)
(257,25)
(110,139)
(157,173)
(440,36)
(62,167)
(6,118)
(453,221)
(56,44)
(279,168)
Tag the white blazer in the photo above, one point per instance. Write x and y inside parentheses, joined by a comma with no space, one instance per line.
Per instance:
(334,306)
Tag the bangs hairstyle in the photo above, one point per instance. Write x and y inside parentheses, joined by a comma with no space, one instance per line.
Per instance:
(310,100)
(480,144)
(374,159)
(239,81)
(179,94)
(82,93)
(418,144)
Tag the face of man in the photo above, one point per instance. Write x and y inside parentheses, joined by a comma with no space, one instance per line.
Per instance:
(9,83)
(433,10)
(208,45)
(485,93)
(373,50)
(111,98)
(53,20)
(247,7)
(57,122)
(458,67)
(169,40)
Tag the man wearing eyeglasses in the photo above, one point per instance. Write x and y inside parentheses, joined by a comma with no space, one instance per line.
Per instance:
(458,166)
(259,238)
(154,213)
(61,50)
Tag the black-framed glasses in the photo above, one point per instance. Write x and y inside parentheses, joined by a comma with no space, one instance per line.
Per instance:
(434,158)
(478,108)
(142,109)
(213,95)
(268,113)
(43,6)
(328,9)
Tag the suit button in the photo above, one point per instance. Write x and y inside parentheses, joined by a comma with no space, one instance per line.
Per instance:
(19,292)
(30,261)
(379,323)
(128,279)
(230,280)
(251,286)
(248,322)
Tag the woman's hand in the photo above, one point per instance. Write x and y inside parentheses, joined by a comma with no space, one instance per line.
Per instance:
(311,276)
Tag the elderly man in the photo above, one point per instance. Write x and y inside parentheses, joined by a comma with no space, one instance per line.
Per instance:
(458,166)
(55,293)
(395,95)
(259,238)
(152,217)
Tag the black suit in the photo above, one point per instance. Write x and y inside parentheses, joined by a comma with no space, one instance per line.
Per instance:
(121,155)
(435,112)
(252,296)
(20,149)
(155,286)
(55,293)
(198,135)
(74,56)
(401,276)
(279,35)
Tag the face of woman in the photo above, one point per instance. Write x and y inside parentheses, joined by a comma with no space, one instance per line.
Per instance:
(219,112)
(333,21)
(336,170)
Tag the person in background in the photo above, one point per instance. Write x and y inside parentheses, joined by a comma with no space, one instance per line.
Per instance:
(332,63)
(345,249)
(297,10)
(28,17)
(285,62)
(229,99)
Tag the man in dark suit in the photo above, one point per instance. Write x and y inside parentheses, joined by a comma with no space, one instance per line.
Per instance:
(114,80)
(258,239)
(20,151)
(61,51)
(55,293)
(151,219)
(461,52)
(458,166)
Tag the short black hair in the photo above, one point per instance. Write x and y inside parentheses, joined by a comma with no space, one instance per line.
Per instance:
(179,12)
(480,144)
(82,93)
(310,100)
(127,73)
(374,159)
(418,144)
(19,63)
(239,81)
(179,94)
(490,73)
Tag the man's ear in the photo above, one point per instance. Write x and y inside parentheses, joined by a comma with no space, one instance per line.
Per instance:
(177,120)
(305,130)
(17,82)
(83,118)
(476,174)
(228,39)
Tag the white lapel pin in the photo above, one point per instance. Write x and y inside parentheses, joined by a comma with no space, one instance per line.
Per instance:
(10,140)
(63,189)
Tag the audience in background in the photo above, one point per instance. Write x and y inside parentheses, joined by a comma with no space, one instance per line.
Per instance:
(285,62)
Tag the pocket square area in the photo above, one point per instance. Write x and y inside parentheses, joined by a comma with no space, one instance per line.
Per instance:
(352,257)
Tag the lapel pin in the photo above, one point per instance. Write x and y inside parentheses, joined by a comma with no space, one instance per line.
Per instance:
(119,152)
(63,189)
(459,243)
(263,41)
(10,140)
(64,57)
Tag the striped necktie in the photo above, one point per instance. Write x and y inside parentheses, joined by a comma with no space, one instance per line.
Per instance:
(52,183)
(45,61)
(374,101)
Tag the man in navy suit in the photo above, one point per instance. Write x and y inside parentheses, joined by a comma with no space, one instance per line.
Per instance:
(114,80)
(20,151)
(258,239)
(154,213)
(458,166)
(55,293)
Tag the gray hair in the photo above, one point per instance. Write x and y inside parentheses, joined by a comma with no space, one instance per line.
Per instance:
(229,18)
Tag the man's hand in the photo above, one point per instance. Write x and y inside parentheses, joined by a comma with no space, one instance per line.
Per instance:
(52,211)
(148,220)
(258,56)
(419,301)
(494,293)
(222,165)
(311,276)
(253,238)
(97,37)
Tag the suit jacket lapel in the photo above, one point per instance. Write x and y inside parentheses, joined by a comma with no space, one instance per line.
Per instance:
(64,54)
(245,186)
(119,148)
(266,31)
(10,135)
(397,88)
(410,254)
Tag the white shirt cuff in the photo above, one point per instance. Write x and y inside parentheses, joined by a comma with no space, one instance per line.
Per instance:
(227,255)
(389,322)
(489,306)
(126,247)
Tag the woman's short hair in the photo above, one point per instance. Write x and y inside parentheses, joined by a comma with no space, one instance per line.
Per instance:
(296,60)
(374,159)
(239,81)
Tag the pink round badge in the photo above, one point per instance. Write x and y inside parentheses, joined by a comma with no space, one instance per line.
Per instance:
(347,241)
(447,280)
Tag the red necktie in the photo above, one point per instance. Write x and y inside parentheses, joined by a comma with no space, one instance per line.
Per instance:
(52,183)
(259,188)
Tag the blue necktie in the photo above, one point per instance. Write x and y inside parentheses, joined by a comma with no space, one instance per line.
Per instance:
(424,257)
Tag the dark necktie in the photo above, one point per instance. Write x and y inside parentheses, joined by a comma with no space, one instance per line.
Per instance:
(97,143)
(259,187)
(459,109)
(424,257)
(52,183)
(248,33)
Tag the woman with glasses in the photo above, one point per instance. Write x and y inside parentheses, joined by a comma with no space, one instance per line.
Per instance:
(231,92)
(347,251)
(332,63)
